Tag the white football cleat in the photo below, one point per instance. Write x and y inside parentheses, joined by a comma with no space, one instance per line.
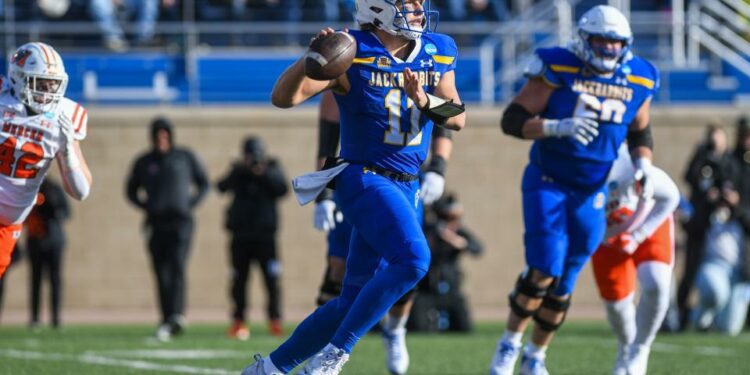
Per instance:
(504,360)
(638,361)
(258,367)
(532,366)
(396,354)
(329,361)
(621,362)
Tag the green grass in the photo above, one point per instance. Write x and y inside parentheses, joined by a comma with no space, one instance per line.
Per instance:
(580,348)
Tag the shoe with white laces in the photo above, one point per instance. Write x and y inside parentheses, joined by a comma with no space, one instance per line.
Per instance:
(504,360)
(638,361)
(621,362)
(258,367)
(329,361)
(532,366)
(396,354)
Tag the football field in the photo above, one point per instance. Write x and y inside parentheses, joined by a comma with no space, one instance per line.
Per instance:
(581,348)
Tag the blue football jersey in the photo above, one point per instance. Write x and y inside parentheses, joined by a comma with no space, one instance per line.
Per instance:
(380,125)
(613,100)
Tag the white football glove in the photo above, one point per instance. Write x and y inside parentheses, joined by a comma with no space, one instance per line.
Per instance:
(67,140)
(433,185)
(325,216)
(583,130)
(644,180)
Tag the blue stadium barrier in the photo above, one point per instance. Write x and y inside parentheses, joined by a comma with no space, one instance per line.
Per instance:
(237,78)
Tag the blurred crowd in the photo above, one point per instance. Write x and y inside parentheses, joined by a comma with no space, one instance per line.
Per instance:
(134,22)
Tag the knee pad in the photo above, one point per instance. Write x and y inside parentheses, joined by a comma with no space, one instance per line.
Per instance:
(560,308)
(328,290)
(526,287)
(406,297)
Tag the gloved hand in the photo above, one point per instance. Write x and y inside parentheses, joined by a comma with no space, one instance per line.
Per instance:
(583,130)
(67,141)
(433,185)
(644,182)
(325,216)
(627,242)
(66,129)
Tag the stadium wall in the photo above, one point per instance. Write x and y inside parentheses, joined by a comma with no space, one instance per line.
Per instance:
(106,265)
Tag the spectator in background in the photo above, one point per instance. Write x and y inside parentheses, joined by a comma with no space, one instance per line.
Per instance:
(473,10)
(105,13)
(167,183)
(440,305)
(741,154)
(708,173)
(722,285)
(45,241)
(257,183)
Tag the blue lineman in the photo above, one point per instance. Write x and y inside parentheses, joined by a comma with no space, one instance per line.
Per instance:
(389,100)
(579,105)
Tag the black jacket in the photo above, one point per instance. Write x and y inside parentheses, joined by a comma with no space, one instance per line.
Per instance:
(707,170)
(162,184)
(253,213)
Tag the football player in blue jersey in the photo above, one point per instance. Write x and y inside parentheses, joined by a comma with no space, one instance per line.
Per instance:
(579,105)
(328,219)
(401,83)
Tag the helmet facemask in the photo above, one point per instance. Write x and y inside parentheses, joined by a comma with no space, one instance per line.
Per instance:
(600,58)
(407,11)
(605,22)
(42,93)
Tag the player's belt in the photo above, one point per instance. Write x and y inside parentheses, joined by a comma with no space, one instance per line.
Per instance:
(396,176)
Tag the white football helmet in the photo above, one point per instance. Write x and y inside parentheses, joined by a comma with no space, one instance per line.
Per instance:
(385,15)
(37,76)
(607,22)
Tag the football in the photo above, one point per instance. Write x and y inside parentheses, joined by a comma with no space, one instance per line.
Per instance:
(330,56)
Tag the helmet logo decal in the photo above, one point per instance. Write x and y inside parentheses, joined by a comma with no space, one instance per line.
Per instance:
(19,58)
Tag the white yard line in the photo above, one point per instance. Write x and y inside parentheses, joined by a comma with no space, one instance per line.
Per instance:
(174,354)
(709,351)
(105,361)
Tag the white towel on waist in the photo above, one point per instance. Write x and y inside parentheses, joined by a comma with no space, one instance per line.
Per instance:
(307,186)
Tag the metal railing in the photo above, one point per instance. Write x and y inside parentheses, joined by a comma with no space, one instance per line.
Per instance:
(720,26)
(717,26)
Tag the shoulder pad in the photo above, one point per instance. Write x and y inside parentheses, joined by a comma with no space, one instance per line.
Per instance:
(534,68)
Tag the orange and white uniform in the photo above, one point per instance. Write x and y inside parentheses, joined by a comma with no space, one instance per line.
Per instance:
(637,231)
(28,145)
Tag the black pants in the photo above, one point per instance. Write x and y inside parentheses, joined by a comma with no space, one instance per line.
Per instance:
(169,246)
(45,261)
(244,252)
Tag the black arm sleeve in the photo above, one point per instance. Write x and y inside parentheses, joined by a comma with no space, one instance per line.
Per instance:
(641,138)
(514,117)
(328,138)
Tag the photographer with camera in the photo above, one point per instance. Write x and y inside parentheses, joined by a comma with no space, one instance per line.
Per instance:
(440,305)
(257,182)
(704,174)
